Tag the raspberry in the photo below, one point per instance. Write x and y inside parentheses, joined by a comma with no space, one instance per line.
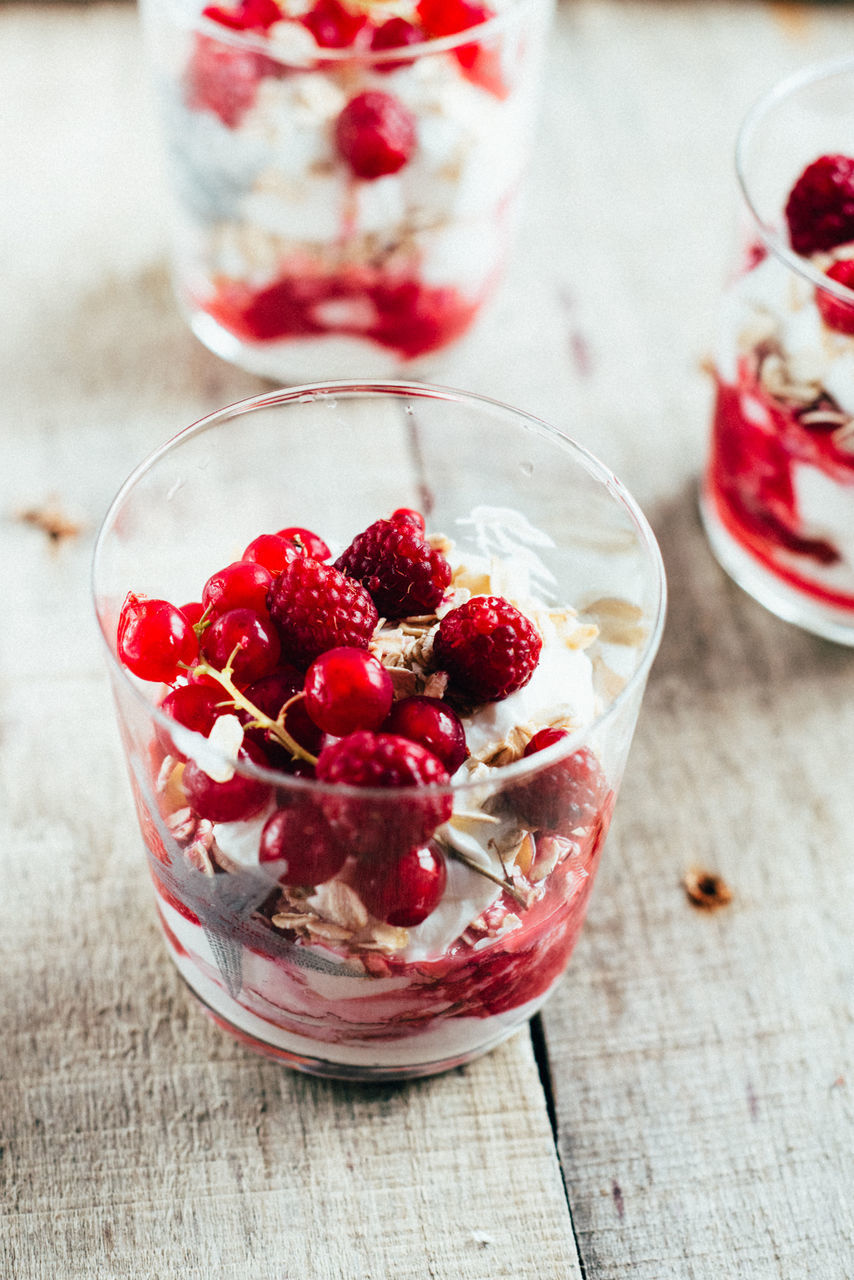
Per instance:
(250,15)
(222,79)
(820,208)
(835,313)
(402,572)
(333,25)
(395,33)
(488,648)
(381,828)
(411,516)
(565,795)
(375,134)
(315,608)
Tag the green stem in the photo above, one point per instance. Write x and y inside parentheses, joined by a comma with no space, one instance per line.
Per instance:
(259,720)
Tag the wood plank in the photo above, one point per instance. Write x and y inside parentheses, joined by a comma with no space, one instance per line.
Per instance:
(137,1139)
(701,1063)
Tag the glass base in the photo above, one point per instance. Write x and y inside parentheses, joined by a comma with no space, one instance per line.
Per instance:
(767,589)
(304,1054)
(293,361)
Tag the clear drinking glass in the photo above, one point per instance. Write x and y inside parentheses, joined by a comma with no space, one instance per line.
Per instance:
(778,494)
(316,975)
(342,211)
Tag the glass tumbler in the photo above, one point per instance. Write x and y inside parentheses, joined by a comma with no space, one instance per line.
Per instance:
(778,493)
(402,912)
(345,179)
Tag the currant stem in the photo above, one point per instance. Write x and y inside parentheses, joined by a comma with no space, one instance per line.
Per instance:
(204,622)
(259,720)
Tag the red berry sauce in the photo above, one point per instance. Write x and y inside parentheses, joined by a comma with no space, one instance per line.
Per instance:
(476,978)
(405,315)
(756,442)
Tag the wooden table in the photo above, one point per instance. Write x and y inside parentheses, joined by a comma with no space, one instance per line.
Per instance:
(683,1105)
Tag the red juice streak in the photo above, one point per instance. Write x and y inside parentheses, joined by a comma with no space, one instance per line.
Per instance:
(405,315)
(750,477)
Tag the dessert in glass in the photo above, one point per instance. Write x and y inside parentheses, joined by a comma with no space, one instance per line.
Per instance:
(346,173)
(377,652)
(778,494)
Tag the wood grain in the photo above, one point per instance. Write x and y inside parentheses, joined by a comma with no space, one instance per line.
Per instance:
(701,1063)
(136,1139)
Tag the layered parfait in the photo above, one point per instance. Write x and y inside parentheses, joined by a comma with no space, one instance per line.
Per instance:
(372,811)
(346,172)
(780,480)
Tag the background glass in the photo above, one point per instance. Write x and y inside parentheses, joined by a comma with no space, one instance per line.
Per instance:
(287,261)
(778,494)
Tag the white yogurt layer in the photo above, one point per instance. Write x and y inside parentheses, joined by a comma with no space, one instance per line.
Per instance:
(826,510)
(447,1039)
(773,302)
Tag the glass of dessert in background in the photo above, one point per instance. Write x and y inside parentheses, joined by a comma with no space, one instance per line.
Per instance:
(377,653)
(778,494)
(346,173)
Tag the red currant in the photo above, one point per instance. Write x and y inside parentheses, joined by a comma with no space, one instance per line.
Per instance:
(155,640)
(311,544)
(193,612)
(448,17)
(241,797)
(432,723)
(195,706)
(406,890)
(269,694)
(347,689)
(300,837)
(250,15)
(255,639)
(242,585)
(271,550)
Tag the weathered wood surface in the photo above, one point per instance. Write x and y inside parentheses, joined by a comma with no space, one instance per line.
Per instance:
(700,1064)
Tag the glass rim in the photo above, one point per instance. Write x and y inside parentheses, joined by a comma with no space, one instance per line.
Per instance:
(770,236)
(309,392)
(324,56)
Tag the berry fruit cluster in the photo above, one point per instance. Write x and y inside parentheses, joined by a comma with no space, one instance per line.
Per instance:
(273,665)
